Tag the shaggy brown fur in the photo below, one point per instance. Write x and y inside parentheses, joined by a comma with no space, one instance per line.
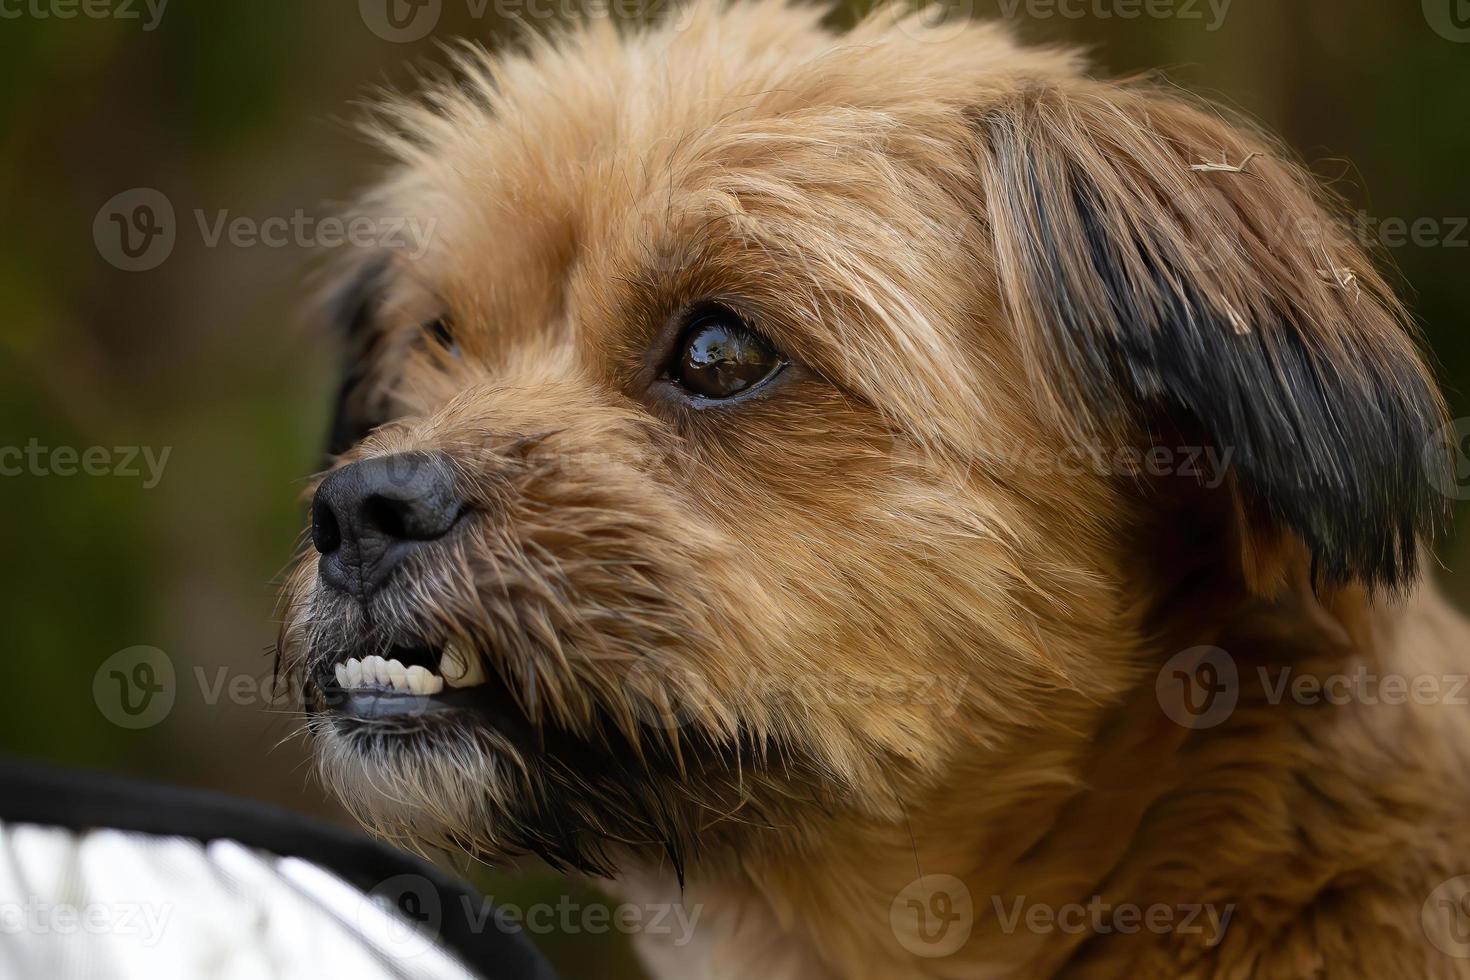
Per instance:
(904,611)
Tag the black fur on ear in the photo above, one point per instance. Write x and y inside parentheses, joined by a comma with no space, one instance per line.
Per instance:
(1155,258)
(352,309)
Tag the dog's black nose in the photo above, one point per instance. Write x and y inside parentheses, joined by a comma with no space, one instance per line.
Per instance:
(370,515)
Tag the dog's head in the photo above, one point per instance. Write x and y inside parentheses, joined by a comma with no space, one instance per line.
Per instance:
(768,425)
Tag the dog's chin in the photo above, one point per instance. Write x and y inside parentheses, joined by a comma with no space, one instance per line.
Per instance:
(436,780)
(467,769)
(428,763)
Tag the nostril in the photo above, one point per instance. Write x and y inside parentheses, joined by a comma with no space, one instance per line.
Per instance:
(390,517)
(420,518)
(326,533)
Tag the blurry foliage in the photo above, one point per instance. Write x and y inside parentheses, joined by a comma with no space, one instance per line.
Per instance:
(241,105)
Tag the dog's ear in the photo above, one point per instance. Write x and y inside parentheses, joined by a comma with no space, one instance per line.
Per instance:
(1155,258)
(352,309)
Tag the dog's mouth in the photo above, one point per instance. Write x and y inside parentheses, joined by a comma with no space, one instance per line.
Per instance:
(416,681)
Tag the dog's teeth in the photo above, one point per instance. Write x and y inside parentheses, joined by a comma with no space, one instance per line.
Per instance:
(397,675)
(422,681)
(376,671)
(461,667)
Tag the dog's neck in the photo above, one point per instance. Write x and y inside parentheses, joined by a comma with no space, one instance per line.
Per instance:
(1030,834)
(1190,826)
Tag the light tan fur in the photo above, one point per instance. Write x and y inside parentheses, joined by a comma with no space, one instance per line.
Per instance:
(895,635)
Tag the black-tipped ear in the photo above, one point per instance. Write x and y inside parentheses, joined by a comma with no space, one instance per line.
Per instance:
(353,311)
(1155,258)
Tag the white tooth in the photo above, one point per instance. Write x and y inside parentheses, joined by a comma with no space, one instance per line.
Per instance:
(419,680)
(354,672)
(436,684)
(342,676)
(461,667)
(398,674)
(374,670)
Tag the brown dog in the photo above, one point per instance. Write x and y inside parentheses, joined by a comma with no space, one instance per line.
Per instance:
(948,515)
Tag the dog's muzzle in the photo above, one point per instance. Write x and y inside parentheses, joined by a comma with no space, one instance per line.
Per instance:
(366,519)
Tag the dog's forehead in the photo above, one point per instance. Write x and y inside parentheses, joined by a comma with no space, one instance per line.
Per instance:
(744,150)
(546,150)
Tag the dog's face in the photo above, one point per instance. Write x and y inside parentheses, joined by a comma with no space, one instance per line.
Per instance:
(725,460)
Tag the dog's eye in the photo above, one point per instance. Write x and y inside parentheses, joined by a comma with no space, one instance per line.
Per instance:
(720,356)
(439,330)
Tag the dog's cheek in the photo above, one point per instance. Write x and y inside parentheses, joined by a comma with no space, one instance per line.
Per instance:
(918,608)
(295,603)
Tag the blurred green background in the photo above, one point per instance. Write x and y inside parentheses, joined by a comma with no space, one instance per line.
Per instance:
(244,107)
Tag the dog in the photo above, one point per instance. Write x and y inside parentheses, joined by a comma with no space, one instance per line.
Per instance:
(895,494)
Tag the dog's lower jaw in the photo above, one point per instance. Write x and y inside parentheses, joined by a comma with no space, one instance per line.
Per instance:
(1292,833)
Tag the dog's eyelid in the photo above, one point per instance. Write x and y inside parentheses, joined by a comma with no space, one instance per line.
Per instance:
(441,331)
